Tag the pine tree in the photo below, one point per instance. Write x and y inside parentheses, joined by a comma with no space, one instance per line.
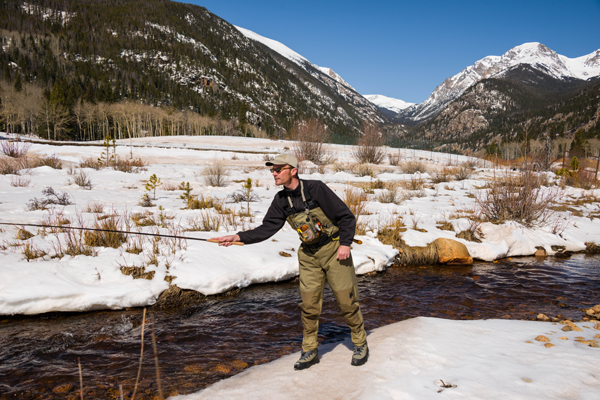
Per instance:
(152,184)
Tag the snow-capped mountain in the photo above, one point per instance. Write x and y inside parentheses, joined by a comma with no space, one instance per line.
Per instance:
(388,103)
(362,106)
(535,54)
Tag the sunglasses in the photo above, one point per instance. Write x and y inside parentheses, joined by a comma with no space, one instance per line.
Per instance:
(278,169)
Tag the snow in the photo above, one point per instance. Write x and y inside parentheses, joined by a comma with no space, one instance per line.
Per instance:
(82,283)
(416,358)
(389,103)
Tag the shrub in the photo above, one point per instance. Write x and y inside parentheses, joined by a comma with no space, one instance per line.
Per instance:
(14,148)
(95,207)
(356,200)
(19,181)
(412,167)
(310,139)
(52,161)
(82,179)
(216,175)
(519,199)
(131,165)
(368,149)
(52,197)
(106,239)
(463,172)
(445,175)
(206,221)
(387,196)
(146,201)
(10,166)
(363,170)
(394,158)
(90,163)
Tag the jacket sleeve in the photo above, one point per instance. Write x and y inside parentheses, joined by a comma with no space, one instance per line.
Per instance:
(336,210)
(272,223)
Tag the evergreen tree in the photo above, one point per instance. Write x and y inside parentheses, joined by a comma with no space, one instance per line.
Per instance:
(18,84)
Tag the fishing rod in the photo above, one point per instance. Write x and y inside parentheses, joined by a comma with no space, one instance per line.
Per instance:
(126,232)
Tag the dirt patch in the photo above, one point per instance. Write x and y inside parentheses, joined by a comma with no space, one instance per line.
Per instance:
(137,272)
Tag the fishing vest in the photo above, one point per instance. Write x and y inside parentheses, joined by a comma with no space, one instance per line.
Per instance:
(312,225)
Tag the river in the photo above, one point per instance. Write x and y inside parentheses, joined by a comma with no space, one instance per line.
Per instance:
(221,336)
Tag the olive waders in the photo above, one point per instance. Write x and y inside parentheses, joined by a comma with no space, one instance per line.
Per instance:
(318,261)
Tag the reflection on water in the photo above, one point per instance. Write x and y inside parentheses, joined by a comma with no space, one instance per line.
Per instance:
(221,337)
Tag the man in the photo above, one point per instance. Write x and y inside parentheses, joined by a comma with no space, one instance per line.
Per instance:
(326,227)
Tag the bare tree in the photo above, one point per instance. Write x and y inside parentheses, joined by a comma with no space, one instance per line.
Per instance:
(369,147)
(311,137)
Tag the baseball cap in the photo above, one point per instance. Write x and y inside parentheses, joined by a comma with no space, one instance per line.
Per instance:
(284,159)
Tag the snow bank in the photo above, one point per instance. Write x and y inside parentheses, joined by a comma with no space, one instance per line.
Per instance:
(413,359)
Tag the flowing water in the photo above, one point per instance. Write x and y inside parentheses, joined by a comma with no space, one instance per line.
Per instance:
(220,337)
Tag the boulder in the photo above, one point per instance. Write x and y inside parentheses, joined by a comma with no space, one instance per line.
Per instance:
(452,252)
(541,252)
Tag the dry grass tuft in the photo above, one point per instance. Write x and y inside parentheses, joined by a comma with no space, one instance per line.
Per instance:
(106,239)
(205,221)
(95,207)
(23,234)
(52,161)
(91,163)
(413,167)
(31,252)
(131,165)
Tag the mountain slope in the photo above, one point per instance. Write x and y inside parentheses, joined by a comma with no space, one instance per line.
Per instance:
(535,54)
(167,54)
(327,76)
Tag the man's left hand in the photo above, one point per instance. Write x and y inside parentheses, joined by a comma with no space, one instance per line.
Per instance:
(343,252)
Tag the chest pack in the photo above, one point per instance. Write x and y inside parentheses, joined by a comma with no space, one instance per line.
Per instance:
(312,225)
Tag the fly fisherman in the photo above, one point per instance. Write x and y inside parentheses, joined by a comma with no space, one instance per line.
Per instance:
(326,227)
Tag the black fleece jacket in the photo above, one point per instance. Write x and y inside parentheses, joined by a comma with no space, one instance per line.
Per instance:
(330,203)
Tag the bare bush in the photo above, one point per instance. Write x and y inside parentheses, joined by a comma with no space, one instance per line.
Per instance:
(519,199)
(91,163)
(310,139)
(216,175)
(412,167)
(445,175)
(387,196)
(463,172)
(131,165)
(19,181)
(82,179)
(368,149)
(14,148)
(394,158)
(52,197)
(363,170)
(95,207)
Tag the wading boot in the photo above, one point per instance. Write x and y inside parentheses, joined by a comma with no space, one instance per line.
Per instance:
(361,355)
(307,359)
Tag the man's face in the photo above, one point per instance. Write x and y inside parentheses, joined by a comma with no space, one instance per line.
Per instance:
(283,174)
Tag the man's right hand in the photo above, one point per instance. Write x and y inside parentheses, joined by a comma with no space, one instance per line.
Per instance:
(226,241)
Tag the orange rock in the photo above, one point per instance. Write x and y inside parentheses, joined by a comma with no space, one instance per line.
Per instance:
(540,253)
(563,338)
(239,364)
(548,345)
(65,387)
(542,338)
(224,369)
(452,252)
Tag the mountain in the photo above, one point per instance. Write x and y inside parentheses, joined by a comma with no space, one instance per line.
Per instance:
(327,76)
(174,57)
(521,102)
(389,106)
(536,55)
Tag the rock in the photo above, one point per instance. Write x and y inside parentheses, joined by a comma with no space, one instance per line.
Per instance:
(542,317)
(541,253)
(597,336)
(542,338)
(563,338)
(566,328)
(548,345)
(583,341)
(597,326)
(594,345)
(284,254)
(452,252)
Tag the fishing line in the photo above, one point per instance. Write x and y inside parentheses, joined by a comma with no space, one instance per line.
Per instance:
(126,232)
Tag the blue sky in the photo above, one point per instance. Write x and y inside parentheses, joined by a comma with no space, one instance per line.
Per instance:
(404,49)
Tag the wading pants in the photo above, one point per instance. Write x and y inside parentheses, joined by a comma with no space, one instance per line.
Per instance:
(316,266)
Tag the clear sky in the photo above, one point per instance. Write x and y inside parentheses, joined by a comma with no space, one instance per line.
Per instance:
(404,49)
